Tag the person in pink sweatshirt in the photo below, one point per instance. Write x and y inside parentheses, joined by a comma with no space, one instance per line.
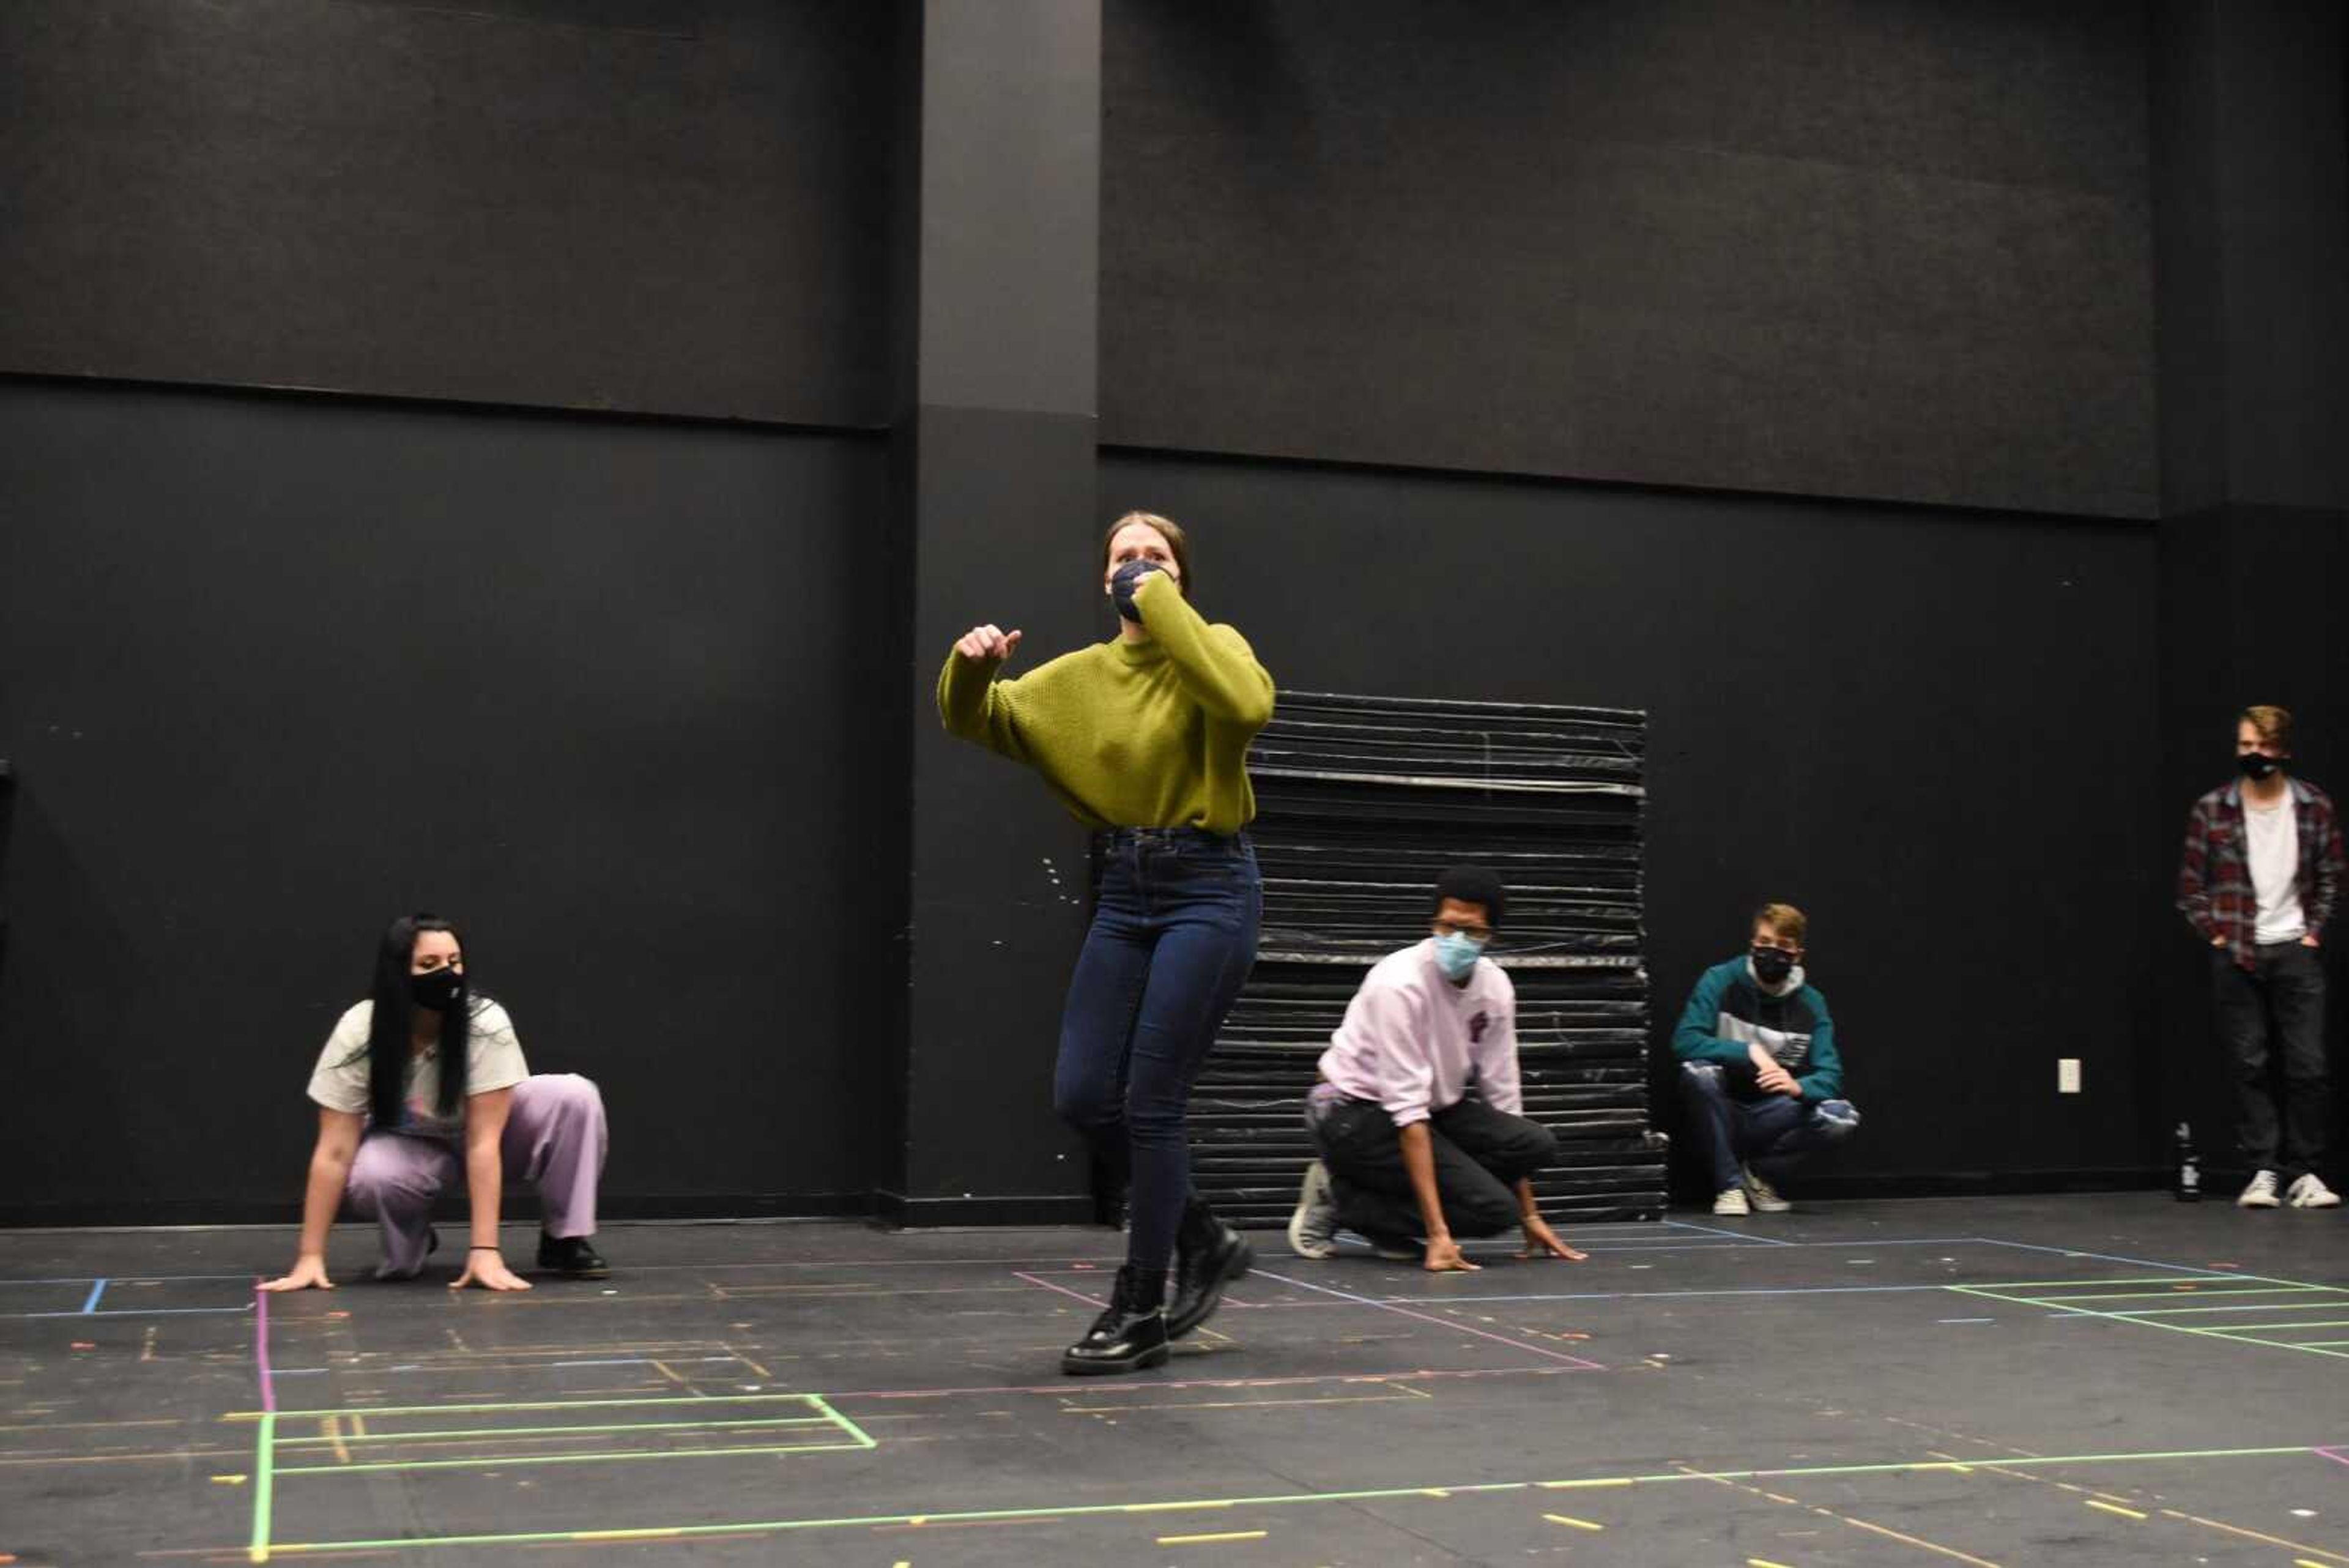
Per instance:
(1418,1116)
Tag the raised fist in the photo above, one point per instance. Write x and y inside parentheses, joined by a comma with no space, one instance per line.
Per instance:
(987,642)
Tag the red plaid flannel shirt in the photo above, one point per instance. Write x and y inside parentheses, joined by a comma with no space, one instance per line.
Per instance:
(2214,879)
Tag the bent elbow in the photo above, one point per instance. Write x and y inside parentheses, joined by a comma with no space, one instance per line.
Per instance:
(1254,709)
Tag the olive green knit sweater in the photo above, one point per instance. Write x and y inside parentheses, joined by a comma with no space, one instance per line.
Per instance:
(1151,734)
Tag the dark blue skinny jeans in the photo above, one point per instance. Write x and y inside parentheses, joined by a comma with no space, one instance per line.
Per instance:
(1172,937)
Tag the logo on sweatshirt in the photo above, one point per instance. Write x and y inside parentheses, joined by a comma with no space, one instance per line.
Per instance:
(1476,1027)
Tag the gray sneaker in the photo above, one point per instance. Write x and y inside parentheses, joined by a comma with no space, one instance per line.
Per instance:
(1313,1228)
(1761,1194)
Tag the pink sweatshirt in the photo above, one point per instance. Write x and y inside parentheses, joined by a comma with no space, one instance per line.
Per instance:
(1413,1042)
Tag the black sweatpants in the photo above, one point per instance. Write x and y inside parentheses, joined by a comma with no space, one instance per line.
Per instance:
(1480,1155)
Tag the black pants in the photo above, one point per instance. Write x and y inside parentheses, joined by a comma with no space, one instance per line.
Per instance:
(2270,1015)
(1480,1155)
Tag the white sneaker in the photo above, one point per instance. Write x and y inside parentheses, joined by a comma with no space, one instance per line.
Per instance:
(2259,1192)
(1764,1196)
(1313,1228)
(2310,1193)
(1731,1201)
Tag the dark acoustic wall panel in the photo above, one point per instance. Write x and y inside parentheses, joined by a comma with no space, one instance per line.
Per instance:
(1935,733)
(2189,258)
(278,670)
(1871,248)
(2282,149)
(2251,226)
(677,207)
(1362,804)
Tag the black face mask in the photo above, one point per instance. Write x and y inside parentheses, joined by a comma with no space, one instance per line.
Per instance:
(2257,766)
(1772,965)
(437,989)
(1124,581)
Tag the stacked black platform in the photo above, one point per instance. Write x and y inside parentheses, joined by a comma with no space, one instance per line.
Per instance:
(1361,802)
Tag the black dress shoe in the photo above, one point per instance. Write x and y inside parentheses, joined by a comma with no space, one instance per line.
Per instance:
(1209,1256)
(1130,1335)
(572,1257)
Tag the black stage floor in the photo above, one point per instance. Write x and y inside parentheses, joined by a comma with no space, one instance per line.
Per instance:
(2113,1379)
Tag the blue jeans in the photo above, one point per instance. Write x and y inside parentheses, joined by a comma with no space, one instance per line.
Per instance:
(1771,1132)
(1172,937)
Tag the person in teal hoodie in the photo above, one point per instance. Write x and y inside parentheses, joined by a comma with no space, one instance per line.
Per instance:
(1759,1068)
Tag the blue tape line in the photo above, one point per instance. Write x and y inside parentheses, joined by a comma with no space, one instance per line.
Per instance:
(123,1312)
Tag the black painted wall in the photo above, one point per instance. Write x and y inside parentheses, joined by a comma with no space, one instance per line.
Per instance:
(2252,243)
(1884,248)
(278,670)
(1825,339)
(1929,731)
(669,205)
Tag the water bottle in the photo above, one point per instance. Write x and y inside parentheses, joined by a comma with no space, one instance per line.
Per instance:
(2189,1188)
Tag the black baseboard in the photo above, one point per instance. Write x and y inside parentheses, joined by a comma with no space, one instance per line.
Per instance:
(156,1214)
(891,1208)
(519,1207)
(898,1211)
(1979,1183)
(737,1206)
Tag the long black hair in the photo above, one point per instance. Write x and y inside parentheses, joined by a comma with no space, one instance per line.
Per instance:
(388,1031)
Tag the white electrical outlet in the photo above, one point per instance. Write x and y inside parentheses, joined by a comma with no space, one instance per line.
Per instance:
(2067,1074)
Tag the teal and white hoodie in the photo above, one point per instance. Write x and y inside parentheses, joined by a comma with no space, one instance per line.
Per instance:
(1731,1010)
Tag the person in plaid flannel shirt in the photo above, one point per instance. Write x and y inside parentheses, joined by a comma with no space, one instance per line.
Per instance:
(2259,882)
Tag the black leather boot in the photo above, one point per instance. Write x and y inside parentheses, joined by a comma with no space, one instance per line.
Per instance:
(1209,1256)
(1131,1334)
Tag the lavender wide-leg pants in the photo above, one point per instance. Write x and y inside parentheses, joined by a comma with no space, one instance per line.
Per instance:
(554,1140)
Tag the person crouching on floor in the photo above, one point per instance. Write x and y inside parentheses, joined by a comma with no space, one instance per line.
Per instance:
(422,1079)
(1418,1116)
(1759,1069)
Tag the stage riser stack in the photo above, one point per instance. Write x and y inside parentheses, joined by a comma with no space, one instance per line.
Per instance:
(1362,802)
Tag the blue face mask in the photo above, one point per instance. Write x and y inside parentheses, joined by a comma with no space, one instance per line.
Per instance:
(1457,955)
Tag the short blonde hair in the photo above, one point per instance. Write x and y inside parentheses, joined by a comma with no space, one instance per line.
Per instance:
(1177,543)
(2274,723)
(1786,920)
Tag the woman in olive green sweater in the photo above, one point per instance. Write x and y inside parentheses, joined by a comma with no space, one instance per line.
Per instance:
(1144,738)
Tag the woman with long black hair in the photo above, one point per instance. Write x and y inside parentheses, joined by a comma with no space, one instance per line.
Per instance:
(423,1074)
(1144,738)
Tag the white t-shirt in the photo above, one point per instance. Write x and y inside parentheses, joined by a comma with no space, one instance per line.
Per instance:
(2273,852)
(493,1061)
(1413,1042)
